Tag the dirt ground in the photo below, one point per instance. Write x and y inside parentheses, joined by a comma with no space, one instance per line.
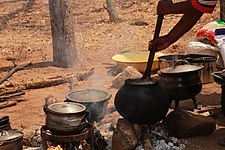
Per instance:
(26,36)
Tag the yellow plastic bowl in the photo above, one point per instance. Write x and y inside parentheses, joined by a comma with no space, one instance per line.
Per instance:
(136,59)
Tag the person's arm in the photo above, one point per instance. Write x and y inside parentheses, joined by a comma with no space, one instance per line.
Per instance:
(192,11)
(168,7)
(187,21)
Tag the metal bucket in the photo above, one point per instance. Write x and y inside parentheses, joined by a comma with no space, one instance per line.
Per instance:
(209,63)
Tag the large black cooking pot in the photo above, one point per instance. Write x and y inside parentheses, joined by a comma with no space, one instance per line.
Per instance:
(181,82)
(142,102)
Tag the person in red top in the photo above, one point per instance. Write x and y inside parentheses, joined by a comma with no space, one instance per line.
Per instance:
(192,11)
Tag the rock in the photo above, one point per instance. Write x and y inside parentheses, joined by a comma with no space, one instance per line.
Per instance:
(124,137)
(129,72)
(183,124)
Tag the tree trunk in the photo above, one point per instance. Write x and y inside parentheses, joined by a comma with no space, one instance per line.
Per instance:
(63,38)
(113,16)
(222,10)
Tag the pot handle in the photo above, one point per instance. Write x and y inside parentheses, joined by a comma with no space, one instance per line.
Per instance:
(176,63)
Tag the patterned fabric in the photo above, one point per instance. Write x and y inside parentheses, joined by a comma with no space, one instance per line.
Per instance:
(205,6)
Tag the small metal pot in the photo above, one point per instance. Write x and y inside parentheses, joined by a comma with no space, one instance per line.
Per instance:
(66,117)
(11,140)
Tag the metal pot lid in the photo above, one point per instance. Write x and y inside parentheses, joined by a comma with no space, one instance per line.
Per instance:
(10,135)
(181,69)
(200,58)
(66,108)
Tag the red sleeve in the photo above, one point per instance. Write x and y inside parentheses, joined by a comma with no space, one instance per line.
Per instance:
(205,6)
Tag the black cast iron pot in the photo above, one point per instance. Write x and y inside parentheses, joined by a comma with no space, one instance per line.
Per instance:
(142,102)
(219,77)
(181,82)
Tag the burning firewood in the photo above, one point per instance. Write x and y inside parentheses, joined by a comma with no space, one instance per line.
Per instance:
(146,139)
(58,147)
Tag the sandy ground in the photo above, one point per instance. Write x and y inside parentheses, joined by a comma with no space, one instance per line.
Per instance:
(26,36)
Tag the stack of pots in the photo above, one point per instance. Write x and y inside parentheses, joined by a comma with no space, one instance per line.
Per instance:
(207,61)
(182,75)
(4,123)
(66,117)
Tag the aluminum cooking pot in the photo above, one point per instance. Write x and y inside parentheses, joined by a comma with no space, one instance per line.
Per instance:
(209,63)
(11,140)
(169,60)
(66,117)
(95,100)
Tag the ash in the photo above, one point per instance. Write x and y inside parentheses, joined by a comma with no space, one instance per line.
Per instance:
(160,140)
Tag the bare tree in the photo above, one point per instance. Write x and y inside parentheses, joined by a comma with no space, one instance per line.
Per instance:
(222,10)
(111,9)
(63,39)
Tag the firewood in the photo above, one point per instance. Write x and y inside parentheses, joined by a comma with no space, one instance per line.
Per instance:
(7,104)
(7,91)
(55,80)
(3,97)
(146,139)
(11,72)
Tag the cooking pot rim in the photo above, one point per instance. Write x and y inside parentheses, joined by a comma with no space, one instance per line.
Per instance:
(191,57)
(179,69)
(166,56)
(68,96)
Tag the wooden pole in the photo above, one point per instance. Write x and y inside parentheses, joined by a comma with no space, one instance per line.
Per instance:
(63,38)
